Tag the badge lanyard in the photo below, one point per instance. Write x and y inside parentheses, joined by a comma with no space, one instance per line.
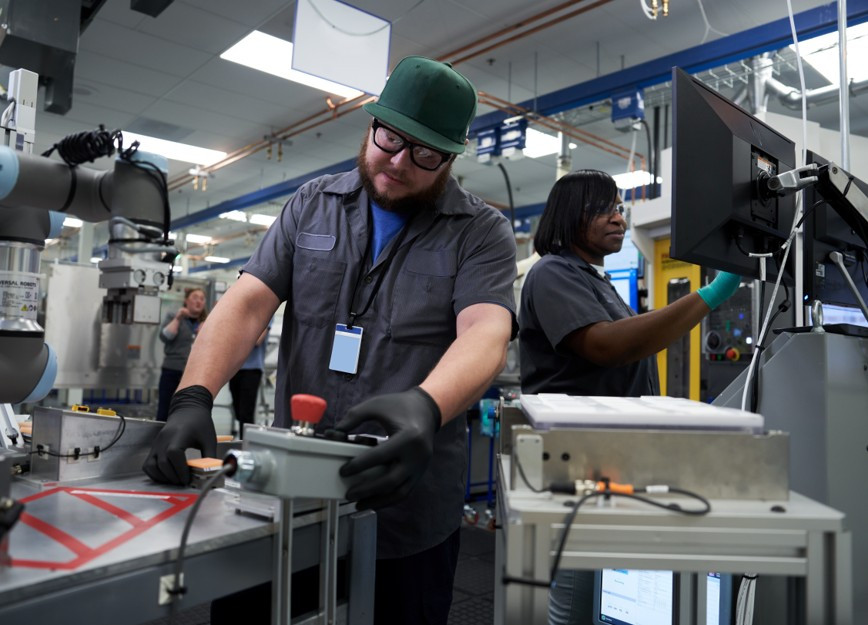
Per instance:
(347,345)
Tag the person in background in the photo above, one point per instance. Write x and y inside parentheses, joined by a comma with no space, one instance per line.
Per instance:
(578,337)
(244,385)
(399,309)
(177,334)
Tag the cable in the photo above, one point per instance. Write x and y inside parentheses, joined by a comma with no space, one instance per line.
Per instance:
(346,32)
(86,146)
(797,220)
(745,601)
(178,589)
(122,427)
(708,28)
(647,11)
(606,492)
(509,192)
(651,156)
(524,477)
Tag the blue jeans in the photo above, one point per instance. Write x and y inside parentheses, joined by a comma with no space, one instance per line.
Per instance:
(571,600)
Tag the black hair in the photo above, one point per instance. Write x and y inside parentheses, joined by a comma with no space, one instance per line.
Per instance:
(575,200)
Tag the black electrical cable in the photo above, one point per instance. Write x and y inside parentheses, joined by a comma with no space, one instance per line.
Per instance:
(509,193)
(122,427)
(651,163)
(86,146)
(178,589)
(568,520)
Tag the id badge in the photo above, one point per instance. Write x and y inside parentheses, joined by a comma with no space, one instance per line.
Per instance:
(346,349)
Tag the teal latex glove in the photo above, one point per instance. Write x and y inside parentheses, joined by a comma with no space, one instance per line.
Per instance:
(721,289)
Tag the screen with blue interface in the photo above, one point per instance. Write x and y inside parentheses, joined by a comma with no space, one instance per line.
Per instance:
(630,597)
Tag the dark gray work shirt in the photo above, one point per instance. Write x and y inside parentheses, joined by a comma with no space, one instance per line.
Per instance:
(563,293)
(462,253)
(176,350)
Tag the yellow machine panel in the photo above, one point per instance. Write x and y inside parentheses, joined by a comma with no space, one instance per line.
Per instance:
(678,365)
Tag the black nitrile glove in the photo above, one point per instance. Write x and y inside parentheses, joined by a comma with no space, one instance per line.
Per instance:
(410,419)
(189,425)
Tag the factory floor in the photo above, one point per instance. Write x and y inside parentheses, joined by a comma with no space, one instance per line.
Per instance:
(473,594)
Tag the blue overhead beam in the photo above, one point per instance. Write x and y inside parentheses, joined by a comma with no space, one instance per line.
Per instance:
(232,263)
(771,36)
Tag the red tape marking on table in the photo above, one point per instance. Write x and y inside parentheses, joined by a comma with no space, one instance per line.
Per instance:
(177,502)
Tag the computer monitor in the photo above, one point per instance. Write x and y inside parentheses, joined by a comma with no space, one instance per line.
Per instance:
(630,597)
(825,231)
(720,153)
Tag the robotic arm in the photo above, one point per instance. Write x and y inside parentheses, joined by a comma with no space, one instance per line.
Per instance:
(132,197)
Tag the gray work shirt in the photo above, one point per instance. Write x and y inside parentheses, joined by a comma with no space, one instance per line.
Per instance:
(177,349)
(562,294)
(462,253)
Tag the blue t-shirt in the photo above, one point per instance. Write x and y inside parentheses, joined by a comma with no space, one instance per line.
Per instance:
(256,358)
(386,225)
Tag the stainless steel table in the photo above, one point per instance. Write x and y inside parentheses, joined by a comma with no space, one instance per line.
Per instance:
(806,540)
(95,553)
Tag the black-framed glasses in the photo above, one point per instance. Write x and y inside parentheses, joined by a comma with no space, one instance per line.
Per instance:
(422,156)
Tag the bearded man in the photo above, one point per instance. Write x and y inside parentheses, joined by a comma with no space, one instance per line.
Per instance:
(399,309)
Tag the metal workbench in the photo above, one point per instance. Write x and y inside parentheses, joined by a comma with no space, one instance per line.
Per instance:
(805,539)
(96,553)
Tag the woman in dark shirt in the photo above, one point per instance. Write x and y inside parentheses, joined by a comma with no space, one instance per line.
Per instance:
(578,337)
(178,333)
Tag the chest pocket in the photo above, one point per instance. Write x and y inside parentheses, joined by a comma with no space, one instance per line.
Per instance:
(316,285)
(422,310)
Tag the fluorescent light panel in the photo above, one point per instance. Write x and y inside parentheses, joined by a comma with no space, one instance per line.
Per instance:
(235,216)
(262,220)
(197,238)
(633,179)
(822,54)
(174,150)
(539,144)
(217,259)
(273,55)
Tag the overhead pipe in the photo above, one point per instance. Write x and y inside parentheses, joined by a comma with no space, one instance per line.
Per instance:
(333,111)
(791,97)
(844,102)
(523,34)
(571,131)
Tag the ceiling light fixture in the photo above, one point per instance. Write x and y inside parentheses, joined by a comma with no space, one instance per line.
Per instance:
(217,259)
(273,55)
(197,238)
(262,220)
(539,144)
(633,179)
(173,150)
(235,216)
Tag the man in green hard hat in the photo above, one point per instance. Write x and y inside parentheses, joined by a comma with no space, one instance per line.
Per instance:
(399,309)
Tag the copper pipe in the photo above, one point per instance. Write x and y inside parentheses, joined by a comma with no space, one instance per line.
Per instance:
(509,29)
(571,131)
(492,100)
(531,31)
(285,133)
(340,109)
